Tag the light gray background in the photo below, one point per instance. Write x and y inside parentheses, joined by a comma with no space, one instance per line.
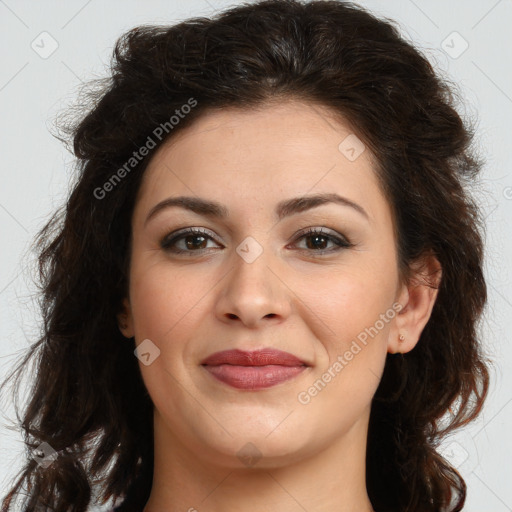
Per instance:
(35,169)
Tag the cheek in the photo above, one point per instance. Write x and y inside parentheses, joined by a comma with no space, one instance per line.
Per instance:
(165,305)
(358,307)
(163,299)
(348,301)
(352,349)
(355,309)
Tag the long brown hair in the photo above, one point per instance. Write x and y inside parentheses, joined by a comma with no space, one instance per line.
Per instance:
(88,400)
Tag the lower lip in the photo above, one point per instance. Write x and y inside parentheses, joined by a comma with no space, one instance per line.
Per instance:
(253,377)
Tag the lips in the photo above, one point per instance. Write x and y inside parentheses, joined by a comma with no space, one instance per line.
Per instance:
(253,370)
(261,357)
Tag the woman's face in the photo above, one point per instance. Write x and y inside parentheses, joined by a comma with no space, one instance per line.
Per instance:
(254,279)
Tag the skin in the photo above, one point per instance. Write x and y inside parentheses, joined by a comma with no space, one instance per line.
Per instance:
(312,456)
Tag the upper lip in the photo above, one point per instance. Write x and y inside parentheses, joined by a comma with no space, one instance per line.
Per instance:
(262,357)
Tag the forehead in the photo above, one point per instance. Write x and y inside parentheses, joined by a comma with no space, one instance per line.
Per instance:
(248,157)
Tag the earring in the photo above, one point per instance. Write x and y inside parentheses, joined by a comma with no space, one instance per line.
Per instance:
(401,337)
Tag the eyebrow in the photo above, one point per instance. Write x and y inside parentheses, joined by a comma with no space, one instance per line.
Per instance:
(284,209)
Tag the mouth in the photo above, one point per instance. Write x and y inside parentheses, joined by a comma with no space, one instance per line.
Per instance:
(259,369)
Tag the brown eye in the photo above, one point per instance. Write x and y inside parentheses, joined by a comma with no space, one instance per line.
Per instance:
(317,240)
(194,241)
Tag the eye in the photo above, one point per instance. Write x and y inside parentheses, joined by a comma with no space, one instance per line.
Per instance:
(196,240)
(318,239)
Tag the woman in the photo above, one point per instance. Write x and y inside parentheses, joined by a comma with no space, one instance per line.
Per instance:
(265,288)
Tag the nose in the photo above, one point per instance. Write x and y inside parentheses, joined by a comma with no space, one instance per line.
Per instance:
(254,293)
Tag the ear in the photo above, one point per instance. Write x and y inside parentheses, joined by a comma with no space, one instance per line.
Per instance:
(125,320)
(417,298)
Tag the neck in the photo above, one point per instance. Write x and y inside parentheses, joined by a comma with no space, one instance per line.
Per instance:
(332,480)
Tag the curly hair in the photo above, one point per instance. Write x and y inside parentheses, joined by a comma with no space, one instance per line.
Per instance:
(88,400)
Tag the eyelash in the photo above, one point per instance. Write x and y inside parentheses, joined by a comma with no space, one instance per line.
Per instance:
(168,241)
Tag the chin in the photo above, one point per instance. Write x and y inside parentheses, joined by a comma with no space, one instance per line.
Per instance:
(253,449)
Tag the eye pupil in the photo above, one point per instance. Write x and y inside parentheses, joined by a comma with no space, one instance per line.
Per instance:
(316,238)
(194,237)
